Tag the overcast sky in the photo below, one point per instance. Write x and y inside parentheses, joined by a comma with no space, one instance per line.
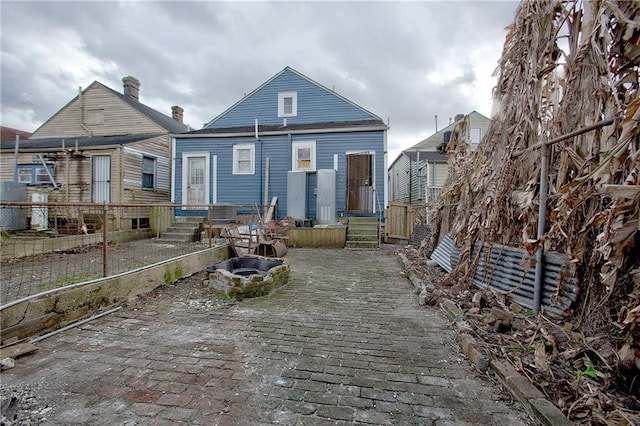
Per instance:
(404,61)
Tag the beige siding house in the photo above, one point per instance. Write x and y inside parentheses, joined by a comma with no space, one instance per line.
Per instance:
(418,174)
(102,147)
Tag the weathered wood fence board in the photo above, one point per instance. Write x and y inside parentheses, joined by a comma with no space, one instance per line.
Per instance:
(335,236)
(399,221)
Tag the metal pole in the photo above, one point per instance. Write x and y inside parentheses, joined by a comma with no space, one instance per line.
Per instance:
(542,213)
(105,243)
(542,207)
(210,220)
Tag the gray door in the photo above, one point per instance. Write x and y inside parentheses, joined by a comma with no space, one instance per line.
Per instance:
(101,179)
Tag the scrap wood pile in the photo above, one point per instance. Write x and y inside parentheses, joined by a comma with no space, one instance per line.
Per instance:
(565,65)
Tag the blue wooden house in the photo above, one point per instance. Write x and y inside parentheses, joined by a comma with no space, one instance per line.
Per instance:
(321,155)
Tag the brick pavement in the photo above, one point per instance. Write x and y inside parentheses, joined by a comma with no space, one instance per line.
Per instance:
(345,342)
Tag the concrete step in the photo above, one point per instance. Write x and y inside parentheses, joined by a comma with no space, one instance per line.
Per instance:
(184,229)
(176,236)
(185,225)
(362,245)
(357,220)
(362,237)
(360,231)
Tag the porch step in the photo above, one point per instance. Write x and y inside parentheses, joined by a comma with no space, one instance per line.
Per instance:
(182,229)
(362,233)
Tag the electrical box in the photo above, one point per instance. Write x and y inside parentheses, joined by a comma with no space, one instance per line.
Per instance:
(326,197)
(297,195)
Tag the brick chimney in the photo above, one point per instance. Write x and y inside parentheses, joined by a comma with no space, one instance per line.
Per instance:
(177,113)
(131,87)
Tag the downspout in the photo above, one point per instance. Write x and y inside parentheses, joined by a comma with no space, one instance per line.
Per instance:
(173,170)
(68,173)
(15,159)
(418,174)
(82,113)
(257,137)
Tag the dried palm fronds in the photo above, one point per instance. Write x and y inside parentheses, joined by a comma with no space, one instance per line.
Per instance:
(565,65)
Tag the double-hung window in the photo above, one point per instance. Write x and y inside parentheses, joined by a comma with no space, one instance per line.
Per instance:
(148,172)
(303,156)
(244,159)
(287,104)
(34,174)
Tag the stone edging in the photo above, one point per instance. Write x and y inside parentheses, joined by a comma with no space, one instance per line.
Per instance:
(520,387)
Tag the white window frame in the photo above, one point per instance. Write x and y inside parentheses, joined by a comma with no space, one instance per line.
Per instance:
(41,176)
(236,150)
(25,175)
(294,104)
(295,146)
(34,174)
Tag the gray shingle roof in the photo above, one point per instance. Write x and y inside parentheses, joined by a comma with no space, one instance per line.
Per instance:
(163,120)
(83,142)
(430,156)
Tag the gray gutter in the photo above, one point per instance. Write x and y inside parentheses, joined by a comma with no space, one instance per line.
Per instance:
(280,132)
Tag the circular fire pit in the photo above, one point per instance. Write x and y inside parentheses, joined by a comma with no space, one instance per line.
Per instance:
(242,277)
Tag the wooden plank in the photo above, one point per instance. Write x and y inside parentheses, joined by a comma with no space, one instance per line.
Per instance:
(15,351)
(269,215)
(33,327)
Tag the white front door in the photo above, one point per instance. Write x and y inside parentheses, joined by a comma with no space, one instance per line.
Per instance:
(195,183)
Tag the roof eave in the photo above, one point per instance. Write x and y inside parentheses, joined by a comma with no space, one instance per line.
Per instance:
(283,132)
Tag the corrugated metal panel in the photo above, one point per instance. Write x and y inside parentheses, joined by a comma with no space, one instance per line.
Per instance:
(442,254)
(511,271)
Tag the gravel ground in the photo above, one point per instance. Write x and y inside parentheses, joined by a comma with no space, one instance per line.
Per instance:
(21,407)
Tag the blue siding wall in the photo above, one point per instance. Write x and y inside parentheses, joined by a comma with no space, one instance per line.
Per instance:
(315,105)
(248,189)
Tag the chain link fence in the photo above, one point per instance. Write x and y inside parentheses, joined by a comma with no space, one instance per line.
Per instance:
(46,246)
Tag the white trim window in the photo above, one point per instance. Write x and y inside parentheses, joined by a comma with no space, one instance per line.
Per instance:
(244,159)
(303,156)
(287,104)
(34,174)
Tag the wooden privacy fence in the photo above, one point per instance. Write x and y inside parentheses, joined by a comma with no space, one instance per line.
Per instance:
(399,221)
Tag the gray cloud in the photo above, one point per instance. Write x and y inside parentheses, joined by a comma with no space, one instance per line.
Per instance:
(405,61)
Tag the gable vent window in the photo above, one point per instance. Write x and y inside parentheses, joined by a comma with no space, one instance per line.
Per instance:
(148,173)
(287,104)
(95,117)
